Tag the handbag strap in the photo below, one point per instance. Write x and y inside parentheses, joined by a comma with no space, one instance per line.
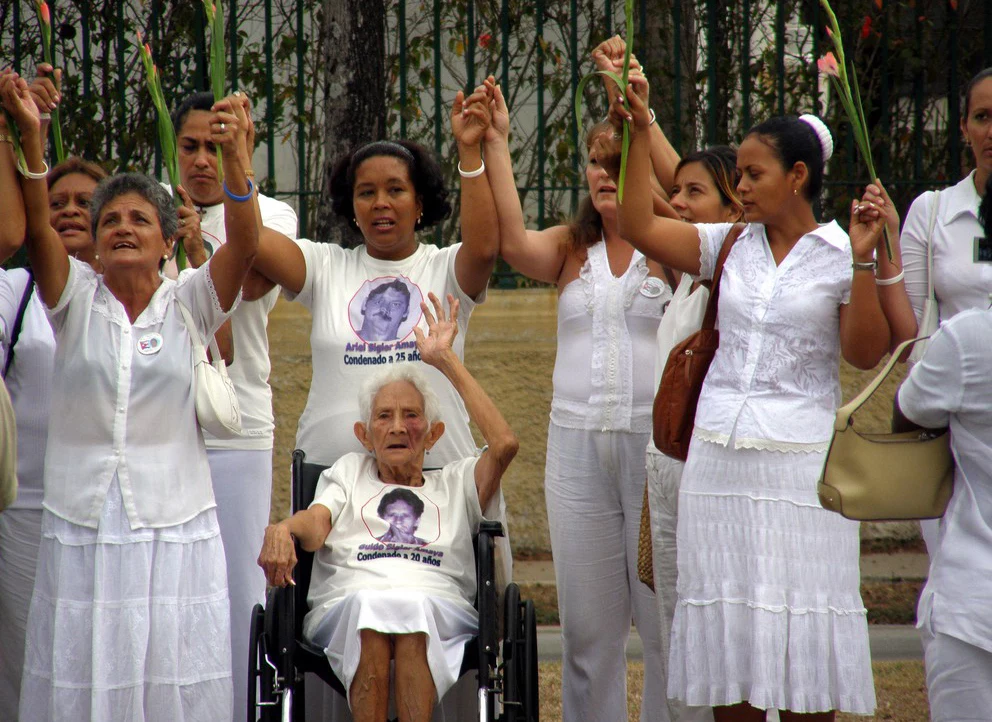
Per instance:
(845,412)
(709,320)
(15,331)
(933,222)
(199,353)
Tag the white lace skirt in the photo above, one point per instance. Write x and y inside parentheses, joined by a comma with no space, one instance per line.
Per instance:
(449,627)
(128,625)
(769,607)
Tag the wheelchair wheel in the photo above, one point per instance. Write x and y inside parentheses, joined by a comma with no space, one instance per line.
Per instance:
(513,653)
(261,676)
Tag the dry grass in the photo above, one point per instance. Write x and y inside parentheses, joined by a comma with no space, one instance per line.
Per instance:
(899,687)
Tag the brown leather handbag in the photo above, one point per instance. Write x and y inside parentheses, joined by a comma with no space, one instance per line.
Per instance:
(674,411)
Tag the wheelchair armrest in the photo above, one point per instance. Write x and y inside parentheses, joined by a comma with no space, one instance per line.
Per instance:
(490,528)
(486,597)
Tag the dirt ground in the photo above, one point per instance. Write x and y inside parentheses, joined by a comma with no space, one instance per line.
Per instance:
(510,347)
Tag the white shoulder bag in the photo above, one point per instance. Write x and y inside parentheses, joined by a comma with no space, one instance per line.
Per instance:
(931,312)
(217,407)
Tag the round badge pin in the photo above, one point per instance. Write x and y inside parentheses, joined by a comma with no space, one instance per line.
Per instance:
(652,287)
(149,344)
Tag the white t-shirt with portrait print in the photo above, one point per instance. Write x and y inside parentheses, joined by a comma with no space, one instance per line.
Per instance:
(364,311)
(440,563)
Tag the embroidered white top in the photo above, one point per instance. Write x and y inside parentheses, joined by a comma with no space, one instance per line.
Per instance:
(950,386)
(123,402)
(775,380)
(606,343)
(959,281)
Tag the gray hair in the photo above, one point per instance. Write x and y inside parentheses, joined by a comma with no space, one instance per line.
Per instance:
(151,190)
(403,371)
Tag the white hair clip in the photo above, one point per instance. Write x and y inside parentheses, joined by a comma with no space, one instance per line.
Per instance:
(822,134)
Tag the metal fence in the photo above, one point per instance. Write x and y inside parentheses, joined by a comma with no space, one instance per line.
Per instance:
(715,66)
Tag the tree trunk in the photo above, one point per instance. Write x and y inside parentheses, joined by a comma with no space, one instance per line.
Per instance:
(353,35)
(656,52)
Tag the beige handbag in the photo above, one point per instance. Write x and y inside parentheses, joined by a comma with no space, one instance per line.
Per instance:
(886,477)
(217,407)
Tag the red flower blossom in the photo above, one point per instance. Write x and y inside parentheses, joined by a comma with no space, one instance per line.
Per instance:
(954,5)
(485,39)
(866,27)
(828,65)
(46,15)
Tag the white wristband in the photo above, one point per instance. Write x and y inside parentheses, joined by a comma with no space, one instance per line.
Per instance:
(653,117)
(472,173)
(41,175)
(890,281)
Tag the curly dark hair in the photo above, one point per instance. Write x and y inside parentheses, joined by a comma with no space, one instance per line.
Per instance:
(404,495)
(425,173)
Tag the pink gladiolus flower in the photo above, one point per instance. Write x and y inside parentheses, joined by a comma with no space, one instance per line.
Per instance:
(830,33)
(828,65)
(46,15)
(148,49)
(878,4)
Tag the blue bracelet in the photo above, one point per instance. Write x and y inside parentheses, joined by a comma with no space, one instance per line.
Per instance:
(240,199)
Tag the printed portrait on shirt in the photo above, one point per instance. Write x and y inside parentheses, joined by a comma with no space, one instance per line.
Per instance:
(401,516)
(385,309)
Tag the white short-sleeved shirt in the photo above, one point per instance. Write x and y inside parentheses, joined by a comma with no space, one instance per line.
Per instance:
(950,387)
(29,382)
(364,310)
(960,282)
(251,366)
(123,402)
(358,553)
(775,380)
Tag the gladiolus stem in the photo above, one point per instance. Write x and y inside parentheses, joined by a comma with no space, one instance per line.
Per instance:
(45,23)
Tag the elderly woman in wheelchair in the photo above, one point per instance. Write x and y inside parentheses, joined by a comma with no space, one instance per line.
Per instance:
(377,601)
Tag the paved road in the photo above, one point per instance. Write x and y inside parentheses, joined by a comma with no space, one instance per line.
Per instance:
(889,642)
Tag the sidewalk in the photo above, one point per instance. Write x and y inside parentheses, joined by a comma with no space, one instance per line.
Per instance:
(888,641)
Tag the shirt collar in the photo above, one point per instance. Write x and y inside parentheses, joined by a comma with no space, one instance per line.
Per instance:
(830,233)
(962,198)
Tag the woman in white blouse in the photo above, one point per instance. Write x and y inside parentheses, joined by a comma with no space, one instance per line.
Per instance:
(129,617)
(769,614)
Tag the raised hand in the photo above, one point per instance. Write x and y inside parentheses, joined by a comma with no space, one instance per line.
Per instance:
(46,88)
(441,330)
(470,117)
(16,99)
(189,233)
(868,218)
(499,127)
(226,131)
(605,149)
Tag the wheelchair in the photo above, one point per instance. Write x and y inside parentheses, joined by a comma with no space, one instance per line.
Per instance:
(280,657)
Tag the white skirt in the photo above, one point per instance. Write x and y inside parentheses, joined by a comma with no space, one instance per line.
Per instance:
(769,607)
(128,625)
(448,625)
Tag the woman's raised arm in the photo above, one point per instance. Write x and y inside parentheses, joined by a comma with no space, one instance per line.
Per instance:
(48,256)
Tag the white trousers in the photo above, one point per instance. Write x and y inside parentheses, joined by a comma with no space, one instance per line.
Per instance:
(594,486)
(959,678)
(242,481)
(664,476)
(20,537)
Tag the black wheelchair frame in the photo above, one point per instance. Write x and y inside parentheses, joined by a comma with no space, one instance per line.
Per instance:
(280,657)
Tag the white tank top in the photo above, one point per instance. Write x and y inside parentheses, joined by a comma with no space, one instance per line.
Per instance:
(604,369)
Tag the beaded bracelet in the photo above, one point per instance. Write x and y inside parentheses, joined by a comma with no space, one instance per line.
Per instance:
(240,199)
(472,173)
(22,169)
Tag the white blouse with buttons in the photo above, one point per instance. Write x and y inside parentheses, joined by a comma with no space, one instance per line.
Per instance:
(123,402)
(774,383)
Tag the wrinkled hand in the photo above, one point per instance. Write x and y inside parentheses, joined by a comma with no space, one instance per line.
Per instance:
(606,149)
(189,233)
(499,126)
(16,100)
(470,117)
(278,555)
(868,218)
(441,330)
(46,88)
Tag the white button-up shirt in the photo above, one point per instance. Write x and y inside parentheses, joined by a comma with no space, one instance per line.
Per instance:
(950,387)
(123,402)
(959,281)
(774,382)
